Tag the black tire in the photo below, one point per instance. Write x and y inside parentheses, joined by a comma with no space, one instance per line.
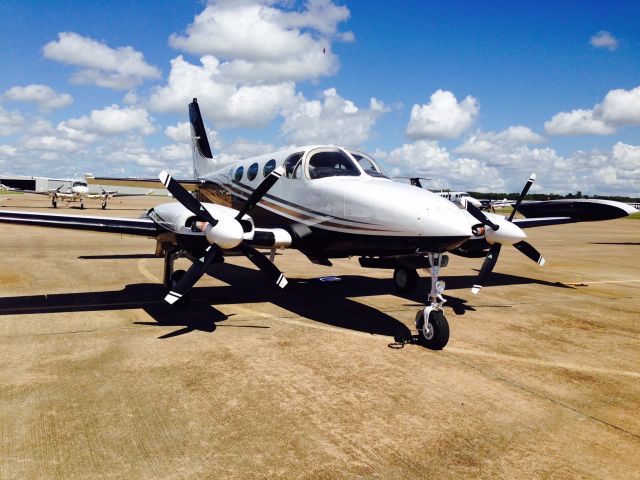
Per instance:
(54,204)
(405,279)
(82,206)
(440,335)
(104,206)
(175,278)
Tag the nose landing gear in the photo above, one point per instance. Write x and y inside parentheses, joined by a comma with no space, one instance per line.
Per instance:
(432,325)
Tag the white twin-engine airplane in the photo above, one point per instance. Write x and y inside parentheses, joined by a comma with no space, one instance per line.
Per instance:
(77,192)
(327,202)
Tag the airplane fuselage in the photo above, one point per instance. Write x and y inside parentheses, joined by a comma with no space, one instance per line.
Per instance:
(335,205)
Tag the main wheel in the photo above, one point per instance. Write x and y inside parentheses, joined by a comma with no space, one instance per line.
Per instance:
(54,204)
(435,335)
(405,279)
(82,206)
(175,278)
(104,205)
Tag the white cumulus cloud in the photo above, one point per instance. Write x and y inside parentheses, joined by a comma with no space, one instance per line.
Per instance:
(496,147)
(265,43)
(114,120)
(442,117)
(426,157)
(333,120)
(10,122)
(44,96)
(120,69)
(604,39)
(220,100)
(618,108)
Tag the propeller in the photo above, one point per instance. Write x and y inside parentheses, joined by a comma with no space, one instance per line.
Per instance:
(222,233)
(506,233)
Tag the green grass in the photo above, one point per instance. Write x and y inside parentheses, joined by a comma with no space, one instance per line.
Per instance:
(634,216)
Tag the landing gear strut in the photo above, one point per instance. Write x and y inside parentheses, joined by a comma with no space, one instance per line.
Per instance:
(54,202)
(171,277)
(432,326)
(104,204)
(81,205)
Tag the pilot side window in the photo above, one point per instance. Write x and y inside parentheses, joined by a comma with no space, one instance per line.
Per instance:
(368,164)
(332,163)
(291,163)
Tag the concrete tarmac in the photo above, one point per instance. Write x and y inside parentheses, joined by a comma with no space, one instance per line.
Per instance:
(99,378)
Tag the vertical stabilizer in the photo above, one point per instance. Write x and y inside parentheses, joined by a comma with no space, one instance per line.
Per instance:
(203,163)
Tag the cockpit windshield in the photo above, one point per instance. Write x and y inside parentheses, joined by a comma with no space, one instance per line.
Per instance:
(79,184)
(331,163)
(367,164)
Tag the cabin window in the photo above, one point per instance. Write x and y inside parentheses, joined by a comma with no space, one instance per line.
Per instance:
(291,162)
(239,172)
(332,163)
(252,171)
(269,167)
(367,164)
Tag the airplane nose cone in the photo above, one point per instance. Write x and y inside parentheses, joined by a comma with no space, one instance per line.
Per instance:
(446,221)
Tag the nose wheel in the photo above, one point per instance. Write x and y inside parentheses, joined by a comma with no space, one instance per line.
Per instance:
(433,328)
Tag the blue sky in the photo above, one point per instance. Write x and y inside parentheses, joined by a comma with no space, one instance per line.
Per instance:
(477,95)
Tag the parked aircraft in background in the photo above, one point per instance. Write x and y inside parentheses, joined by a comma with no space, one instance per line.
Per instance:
(325,201)
(77,192)
(459,198)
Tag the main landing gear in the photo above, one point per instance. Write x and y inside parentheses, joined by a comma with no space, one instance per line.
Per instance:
(81,204)
(432,326)
(54,202)
(171,277)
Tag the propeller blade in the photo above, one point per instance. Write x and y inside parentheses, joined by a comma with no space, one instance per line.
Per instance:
(192,275)
(530,252)
(261,191)
(487,267)
(264,264)
(526,188)
(481,217)
(186,199)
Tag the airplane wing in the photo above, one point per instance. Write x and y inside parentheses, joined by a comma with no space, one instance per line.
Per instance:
(127,226)
(541,214)
(189,184)
(115,193)
(578,210)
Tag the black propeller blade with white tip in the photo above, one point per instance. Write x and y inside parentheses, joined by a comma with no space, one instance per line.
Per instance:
(530,251)
(186,199)
(480,216)
(492,257)
(260,191)
(189,279)
(264,264)
(487,267)
(525,190)
(200,266)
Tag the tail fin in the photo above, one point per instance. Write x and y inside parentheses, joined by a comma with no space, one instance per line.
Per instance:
(202,158)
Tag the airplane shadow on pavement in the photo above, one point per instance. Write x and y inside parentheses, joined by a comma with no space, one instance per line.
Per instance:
(330,303)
